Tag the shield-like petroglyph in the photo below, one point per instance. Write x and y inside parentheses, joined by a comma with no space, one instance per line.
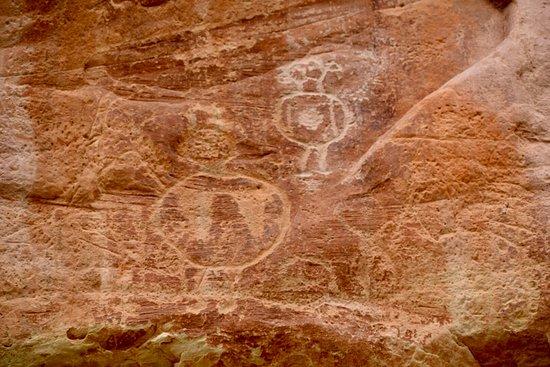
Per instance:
(217,219)
(222,221)
(310,116)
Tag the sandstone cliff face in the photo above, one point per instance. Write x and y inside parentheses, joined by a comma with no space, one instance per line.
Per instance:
(274,183)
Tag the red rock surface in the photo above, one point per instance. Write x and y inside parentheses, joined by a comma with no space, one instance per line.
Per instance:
(274,183)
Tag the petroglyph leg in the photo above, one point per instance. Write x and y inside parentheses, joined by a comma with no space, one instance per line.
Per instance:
(303,163)
(322,159)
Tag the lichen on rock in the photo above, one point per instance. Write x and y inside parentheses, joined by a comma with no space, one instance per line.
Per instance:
(111,346)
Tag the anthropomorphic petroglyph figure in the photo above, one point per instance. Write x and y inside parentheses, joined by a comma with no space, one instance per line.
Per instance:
(217,219)
(309,116)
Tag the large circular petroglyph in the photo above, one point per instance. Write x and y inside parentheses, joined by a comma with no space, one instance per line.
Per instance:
(222,221)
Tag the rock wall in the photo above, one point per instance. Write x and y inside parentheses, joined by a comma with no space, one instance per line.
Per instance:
(274,183)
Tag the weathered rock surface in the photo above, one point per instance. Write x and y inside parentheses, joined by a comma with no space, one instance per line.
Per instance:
(274,183)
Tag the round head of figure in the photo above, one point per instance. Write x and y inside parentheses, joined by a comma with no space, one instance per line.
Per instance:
(208,145)
(305,75)
(309,75)
(208,141)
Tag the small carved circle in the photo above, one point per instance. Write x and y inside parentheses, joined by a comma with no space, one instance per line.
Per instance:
(311,118)
(207,145)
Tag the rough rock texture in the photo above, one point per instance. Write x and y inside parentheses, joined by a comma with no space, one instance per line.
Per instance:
(274,183)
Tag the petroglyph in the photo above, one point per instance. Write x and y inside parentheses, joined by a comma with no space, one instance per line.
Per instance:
(311,117)
(220,220)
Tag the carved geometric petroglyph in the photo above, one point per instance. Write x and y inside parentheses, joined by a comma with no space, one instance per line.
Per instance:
(222,221)
(310,117)
(216,219)
(209,143)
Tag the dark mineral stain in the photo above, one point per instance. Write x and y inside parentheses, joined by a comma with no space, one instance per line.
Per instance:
(151,3)
(501,4)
